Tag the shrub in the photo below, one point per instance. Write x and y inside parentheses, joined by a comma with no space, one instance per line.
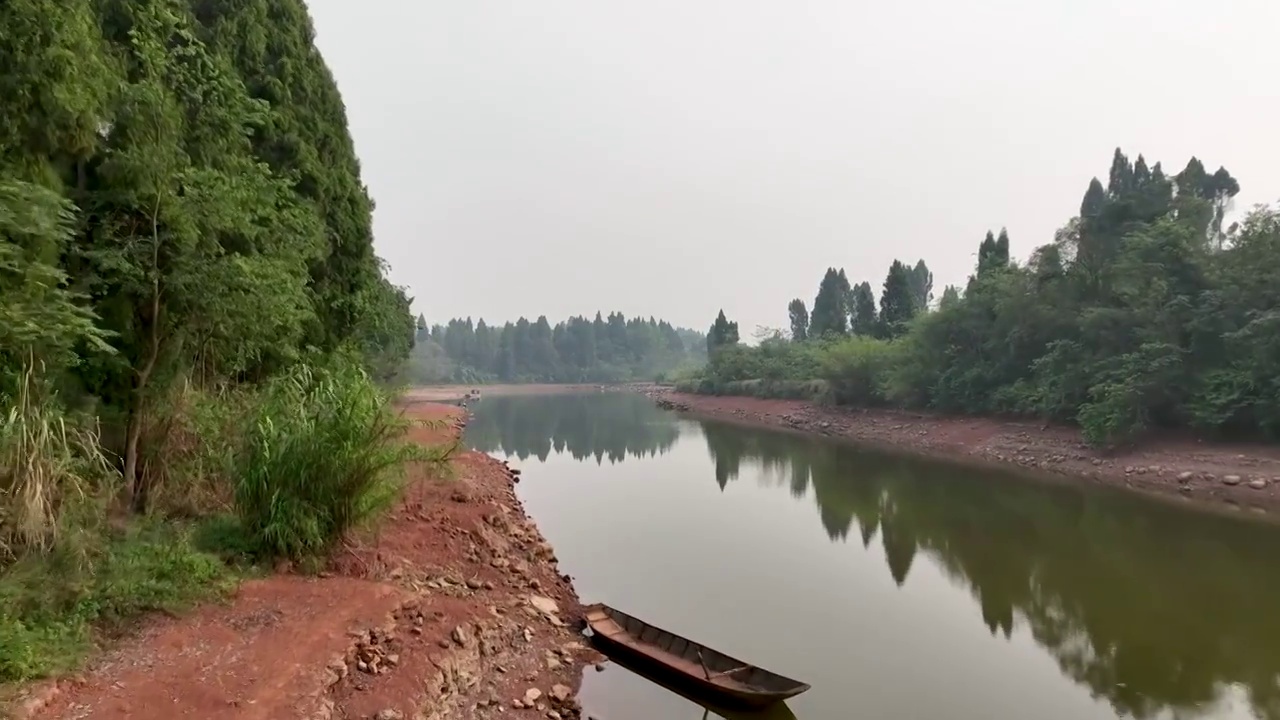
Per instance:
(323,455)
(855,370)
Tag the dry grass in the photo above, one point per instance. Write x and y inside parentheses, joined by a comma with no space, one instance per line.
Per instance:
(47,464)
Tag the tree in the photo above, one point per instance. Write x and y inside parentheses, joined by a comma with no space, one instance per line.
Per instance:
(922,281)
(897,302)
(799,320)
(864,319)
(829,317)
(722,334)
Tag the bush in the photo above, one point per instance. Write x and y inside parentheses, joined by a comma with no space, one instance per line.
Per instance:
(323,455)
(856,370)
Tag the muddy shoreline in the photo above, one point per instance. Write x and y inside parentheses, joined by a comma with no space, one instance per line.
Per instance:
(454,608)
(1213,476)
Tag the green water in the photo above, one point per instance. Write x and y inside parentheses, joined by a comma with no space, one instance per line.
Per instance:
(896,587)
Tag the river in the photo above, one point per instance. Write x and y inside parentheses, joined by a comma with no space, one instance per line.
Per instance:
(898,588)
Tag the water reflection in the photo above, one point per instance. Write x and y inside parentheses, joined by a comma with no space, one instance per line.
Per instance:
(601,426)
(1152,607)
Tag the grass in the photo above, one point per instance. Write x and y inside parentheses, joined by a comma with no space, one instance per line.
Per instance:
(323,456)
(54,608)
(310,457)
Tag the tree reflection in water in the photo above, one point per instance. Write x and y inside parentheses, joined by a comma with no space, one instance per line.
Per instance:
(1153,607)
(601,425)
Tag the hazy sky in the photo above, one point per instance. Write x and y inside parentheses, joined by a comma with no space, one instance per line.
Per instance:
(672,157)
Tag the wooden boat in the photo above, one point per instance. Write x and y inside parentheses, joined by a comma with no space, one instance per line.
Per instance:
(707,672)
(710,710)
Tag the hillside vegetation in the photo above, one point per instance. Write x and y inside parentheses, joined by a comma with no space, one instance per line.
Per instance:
(191,309)
(1143,312)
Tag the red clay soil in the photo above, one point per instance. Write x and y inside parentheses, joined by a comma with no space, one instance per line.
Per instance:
(1237,476)
(455,608)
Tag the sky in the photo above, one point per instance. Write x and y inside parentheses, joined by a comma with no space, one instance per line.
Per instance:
(676,157)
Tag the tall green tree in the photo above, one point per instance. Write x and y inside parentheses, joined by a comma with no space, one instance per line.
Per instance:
(897,300)
(864,319)
(922,282)
(799,315)
(723,334)
(830,316)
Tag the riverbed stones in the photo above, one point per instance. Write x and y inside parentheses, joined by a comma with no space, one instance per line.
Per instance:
(461,636)
(544,604)
(1230,479)
(1258,484)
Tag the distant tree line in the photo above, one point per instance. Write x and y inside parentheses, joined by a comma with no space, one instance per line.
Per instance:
(604,349)
(1143,312)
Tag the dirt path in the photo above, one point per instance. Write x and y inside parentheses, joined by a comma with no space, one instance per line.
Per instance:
(456,609)
(1239,476)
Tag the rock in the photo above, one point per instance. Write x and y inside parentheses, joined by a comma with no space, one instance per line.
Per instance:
(599,667)
(1185,476)
(553,715)
(392,659)
(544,604)
(531,695)
(553,664)
(1230,479)
(474,583)
(389,714)
(1258,484)
(560,693)
(517,703)
(461,636)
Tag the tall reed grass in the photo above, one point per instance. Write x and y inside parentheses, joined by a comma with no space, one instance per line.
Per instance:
(48,465)
(324,454)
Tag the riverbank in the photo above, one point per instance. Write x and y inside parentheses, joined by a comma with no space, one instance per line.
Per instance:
(454,608)
(1237,476)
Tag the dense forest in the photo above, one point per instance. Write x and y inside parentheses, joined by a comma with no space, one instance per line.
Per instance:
(606,349)
(1145,311)
(191,306)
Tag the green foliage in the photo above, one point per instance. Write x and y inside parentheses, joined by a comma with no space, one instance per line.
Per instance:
(49,605)
(1142,313)
(323,455)
(799,316)
(723,334)
(830,316)
(864,319)
(855,370)
(182,222)
(898,299)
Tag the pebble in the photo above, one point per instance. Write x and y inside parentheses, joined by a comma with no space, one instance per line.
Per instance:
(389,714)
(1258,484)
(1185,476)
(1230,479)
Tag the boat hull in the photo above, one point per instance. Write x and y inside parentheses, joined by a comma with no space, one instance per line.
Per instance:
(721,687)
